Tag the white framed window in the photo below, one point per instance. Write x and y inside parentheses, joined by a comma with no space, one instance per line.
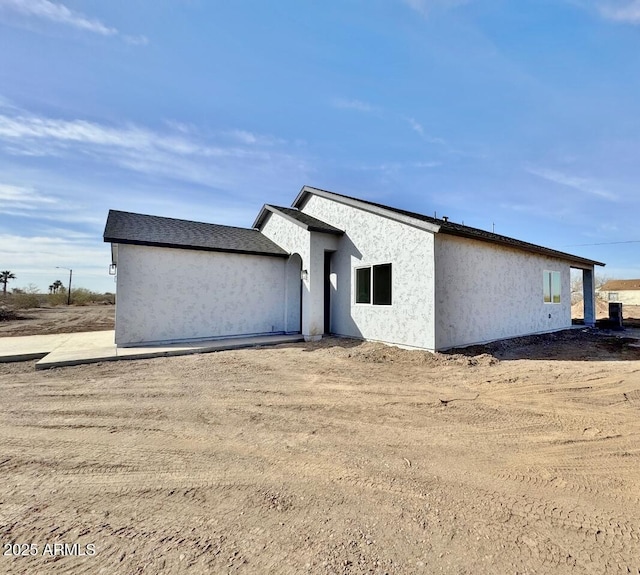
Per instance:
(551,284)
(374,284)
(613,296)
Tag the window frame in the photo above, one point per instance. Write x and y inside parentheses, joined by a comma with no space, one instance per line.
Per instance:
(548,282)
(371,268)
(370,287)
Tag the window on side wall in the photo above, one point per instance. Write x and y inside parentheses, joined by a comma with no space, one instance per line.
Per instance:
(613,296)
(551,286)
(374,284)
(363,285)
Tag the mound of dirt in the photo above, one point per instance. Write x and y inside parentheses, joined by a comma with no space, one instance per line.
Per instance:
(602,309)
(371,352)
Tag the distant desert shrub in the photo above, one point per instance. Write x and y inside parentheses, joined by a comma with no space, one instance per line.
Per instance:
(25,298)
(81,296)
(30,297)
(7,313)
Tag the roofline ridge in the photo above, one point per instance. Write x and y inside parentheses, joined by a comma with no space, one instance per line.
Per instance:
(447,227)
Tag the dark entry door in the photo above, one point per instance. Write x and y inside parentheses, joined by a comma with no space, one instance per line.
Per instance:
(327,292)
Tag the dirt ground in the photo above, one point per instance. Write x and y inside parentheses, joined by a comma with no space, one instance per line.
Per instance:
(338,457)
(61,319)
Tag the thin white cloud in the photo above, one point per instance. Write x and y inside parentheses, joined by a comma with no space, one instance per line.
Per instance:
(181,127)
(585,185)
(628,11)
(253,139)
(223,160)
(425,7)
(623,11)
(352,104)
(25,130)
(244,136)
(6,104)
(58,13)
(29,202)
(21,198)
(139,40)
(389,167)
(29,254)
(416,126)
(419,129)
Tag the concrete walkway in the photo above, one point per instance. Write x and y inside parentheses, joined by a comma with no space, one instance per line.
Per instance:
(93,346)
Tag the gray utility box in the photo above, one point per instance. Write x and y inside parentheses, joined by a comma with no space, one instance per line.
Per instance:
(615,315)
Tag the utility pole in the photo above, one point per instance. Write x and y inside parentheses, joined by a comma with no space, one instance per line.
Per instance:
(70,275)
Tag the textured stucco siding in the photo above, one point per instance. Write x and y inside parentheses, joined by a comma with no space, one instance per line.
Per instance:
(310,246)
(371,239)
(295,240)
(625,297)
(293,294)
(173,294)
(486,292)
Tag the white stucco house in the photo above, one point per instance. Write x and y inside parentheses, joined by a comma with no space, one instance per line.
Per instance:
(334,264)
(627,292)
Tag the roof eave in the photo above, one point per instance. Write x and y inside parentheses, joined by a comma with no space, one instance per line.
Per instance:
(283,254)
(262,216)
(580,262)
(269,209)
(306,191)
(273,210)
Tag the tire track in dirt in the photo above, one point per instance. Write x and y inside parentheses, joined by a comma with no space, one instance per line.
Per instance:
(348,474)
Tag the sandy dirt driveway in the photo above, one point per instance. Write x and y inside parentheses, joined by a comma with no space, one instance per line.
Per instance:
(332,458)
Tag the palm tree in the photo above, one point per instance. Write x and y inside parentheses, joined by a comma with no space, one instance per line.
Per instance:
(56,286)
(5,276)
(51,289)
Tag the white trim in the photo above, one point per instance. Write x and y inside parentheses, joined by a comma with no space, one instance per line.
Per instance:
(551,293)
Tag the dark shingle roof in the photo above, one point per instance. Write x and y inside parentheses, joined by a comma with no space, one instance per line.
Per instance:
(141,229)
(621,285)
(452,228)
(305,220)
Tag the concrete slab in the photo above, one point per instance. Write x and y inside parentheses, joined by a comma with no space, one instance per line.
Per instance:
(26,347)
(93,347)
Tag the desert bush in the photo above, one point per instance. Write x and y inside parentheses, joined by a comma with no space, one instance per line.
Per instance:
(83,296)
(80,296)
(58,298)
(25,298)
(7,313)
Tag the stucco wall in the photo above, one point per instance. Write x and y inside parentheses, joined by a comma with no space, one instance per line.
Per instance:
(371,239)
(486,292)
(293,294)
(295,240)
(173,294)
(310,246)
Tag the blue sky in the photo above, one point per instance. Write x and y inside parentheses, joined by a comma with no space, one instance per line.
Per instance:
(524,115)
